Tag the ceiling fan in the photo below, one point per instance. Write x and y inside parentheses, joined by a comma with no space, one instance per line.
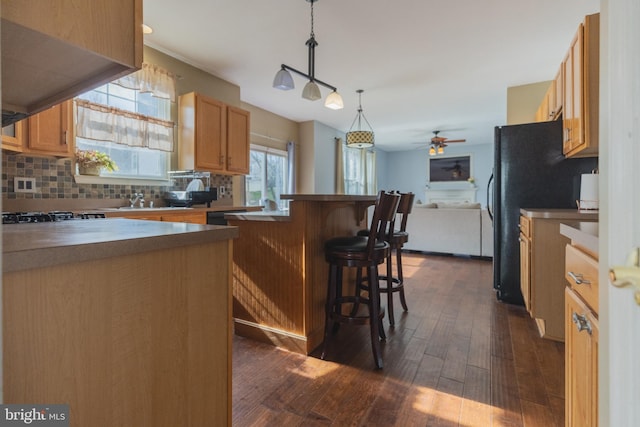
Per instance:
(438,143)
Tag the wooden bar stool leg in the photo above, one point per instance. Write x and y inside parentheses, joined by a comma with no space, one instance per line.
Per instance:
(374,316)
(329,306)
(403,301)
(389,291)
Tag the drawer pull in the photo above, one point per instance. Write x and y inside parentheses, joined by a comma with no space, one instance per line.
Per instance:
(582,323)
(578,278)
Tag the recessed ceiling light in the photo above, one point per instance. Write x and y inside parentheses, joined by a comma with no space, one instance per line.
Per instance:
(146,29)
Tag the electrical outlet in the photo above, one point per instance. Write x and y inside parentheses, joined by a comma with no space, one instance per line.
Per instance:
(221,190)
(24,185)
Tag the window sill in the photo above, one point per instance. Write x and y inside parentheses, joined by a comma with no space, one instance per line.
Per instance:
(89,179)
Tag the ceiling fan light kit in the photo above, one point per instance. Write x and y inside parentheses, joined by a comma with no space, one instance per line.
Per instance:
(360,138)
(284,81)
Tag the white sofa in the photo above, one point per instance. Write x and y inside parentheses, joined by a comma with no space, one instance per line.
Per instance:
(451,228)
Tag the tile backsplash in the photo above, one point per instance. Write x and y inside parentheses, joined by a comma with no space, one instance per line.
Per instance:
(54,179)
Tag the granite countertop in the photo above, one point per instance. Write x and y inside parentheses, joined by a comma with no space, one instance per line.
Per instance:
(582,233)
(281,216)
(559,214)
(27,246)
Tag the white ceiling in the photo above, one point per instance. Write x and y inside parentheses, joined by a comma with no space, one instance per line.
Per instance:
(423,64)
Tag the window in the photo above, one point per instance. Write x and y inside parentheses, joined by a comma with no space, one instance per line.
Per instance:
(130,120)
(359,171)
(267,178)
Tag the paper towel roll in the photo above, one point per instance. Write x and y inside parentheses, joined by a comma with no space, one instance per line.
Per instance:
(589,191)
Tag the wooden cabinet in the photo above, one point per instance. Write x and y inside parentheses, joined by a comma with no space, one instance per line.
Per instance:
(581,91)
(13,137)
(51,131)
(212,136)
(238,125)
(54,50)
(551,105)
(581,327)
(190,217)
(542,265)
(525,261)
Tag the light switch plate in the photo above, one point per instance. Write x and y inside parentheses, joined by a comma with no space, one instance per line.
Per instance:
(221,190)
(24,185)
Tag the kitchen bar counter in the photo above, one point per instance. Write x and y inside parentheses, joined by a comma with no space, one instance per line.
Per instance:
(27,246)
(584,234)
(279,271)
(126,321)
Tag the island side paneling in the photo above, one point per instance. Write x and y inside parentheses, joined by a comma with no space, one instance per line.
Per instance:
(280,273)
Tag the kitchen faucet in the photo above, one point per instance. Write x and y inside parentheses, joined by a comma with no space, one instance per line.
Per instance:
(139,197)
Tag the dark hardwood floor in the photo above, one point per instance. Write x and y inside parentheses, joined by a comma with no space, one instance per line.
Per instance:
(457,358)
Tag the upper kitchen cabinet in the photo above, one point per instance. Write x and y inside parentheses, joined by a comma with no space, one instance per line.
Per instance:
(212,136)
(53,50)
(581,89)
(551,106)
(238,140)
(51,131)
(12,137)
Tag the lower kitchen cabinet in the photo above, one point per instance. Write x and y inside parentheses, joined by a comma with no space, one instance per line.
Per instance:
(581,329)
(190,217)
(581,363)
(130,326)
(542,254)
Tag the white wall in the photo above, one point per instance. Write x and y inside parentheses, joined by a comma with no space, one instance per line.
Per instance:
(407,170)
(397,170)
(325,158)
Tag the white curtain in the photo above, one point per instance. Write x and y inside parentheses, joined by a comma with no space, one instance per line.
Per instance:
(151,79)
(104,123)
(339,166)
(291,167)
(370,175)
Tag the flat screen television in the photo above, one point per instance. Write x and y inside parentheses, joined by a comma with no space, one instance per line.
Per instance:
(449,168)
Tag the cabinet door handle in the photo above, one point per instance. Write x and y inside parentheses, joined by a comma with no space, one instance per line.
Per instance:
(64,138)
(578,278)
(221,159)
(582,323)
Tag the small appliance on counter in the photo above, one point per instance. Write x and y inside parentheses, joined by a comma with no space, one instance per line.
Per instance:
(186,199)
(196,192)
(589,192)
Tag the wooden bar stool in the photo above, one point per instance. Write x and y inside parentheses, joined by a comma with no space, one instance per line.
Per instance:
(360,252)
(396,240)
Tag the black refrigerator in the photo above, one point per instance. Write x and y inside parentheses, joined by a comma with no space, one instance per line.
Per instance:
(529,171)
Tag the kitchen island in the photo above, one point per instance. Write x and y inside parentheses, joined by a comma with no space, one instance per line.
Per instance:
(279,271)
(126,321)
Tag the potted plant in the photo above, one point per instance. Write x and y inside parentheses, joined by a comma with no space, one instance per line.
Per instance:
(471,181)
(91,162)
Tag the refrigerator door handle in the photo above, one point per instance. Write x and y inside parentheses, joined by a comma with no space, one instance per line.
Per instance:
(490,201)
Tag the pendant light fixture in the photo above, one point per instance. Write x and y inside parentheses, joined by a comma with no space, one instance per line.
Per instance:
(311,91)
(360,138)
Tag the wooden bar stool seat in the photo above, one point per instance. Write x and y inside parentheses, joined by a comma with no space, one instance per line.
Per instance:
(360,252)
